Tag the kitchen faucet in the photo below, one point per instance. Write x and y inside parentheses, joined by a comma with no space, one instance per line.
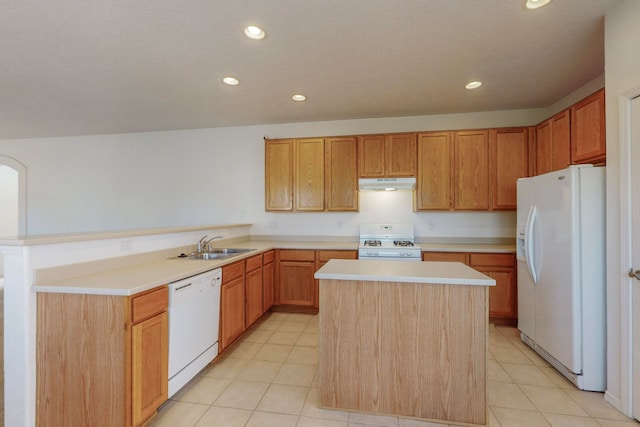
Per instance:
(203,244)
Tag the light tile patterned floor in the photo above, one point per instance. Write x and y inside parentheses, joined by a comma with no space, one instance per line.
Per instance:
(269,379)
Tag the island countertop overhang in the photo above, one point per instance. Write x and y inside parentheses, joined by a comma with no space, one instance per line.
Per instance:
(428,272)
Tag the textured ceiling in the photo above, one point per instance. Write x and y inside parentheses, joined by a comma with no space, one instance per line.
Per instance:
(74,67)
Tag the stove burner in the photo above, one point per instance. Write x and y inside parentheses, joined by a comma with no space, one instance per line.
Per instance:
(372,243)
(402,243)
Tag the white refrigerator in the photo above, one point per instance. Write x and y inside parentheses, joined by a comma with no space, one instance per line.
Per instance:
(561,271)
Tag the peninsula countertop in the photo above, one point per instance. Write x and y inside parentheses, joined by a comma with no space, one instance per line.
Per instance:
(430,272)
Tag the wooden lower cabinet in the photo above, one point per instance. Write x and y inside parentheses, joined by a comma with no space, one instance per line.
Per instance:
(503,300)
(149,359)
(297,290)
(232,304)
(268,280)
(101,360)
(253,290)
(295,278)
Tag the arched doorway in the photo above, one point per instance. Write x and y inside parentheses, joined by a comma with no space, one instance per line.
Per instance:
(13,187)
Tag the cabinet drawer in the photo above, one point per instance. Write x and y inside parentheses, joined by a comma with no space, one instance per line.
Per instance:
(324,256)
(232,271)
(147,305)
(497,260)
(268,257)
(297,255)
(253,263)
(445,256)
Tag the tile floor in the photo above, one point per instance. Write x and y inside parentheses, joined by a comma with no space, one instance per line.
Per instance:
(268,379)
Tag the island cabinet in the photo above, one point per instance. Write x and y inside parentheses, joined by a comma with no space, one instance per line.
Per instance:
(232,303)
(503,301)
(389,155)
(101,360)
(322,257)
(268,280)
(588,130)
(405,339)
(253,289)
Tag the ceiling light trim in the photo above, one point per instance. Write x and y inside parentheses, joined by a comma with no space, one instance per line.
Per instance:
(230,81)
(298,97)
(536,4)
(254,32)
(473,85)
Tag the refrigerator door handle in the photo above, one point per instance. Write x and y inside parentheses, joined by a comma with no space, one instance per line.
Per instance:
(529,244)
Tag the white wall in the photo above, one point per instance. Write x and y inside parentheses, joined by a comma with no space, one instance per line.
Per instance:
(8,201)
(212,176)
(622,69)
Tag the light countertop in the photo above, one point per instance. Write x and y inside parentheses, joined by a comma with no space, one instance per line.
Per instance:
(450,273)
(110,278)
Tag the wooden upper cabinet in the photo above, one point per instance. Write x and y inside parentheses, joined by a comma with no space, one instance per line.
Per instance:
(561,140)
(279,175)
(309,174)
(553,151)
(471,170)
(433,186)
(341,168)
(401,154)
(509,151)
(588,130)
(371,156)
(543,148)
(392,155)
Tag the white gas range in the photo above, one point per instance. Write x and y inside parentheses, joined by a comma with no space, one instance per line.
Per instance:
(388,242)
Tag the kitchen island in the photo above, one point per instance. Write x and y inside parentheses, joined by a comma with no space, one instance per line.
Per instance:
(404,338)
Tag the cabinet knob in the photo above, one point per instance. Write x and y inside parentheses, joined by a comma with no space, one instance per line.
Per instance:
(634,274)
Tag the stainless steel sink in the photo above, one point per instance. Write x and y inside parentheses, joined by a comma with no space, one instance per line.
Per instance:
(215,253)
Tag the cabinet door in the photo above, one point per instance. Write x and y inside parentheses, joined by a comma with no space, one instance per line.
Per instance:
(231,311)
(503,302)
(279,175)
(268,272)
(371,156)
(471,168)
(150,366)
(296,283)
(253,289)
(445,256)
(588,130)
(543,148)
(401,154)
(342,174)
(561,140)
(435,155)
(509,154)
(502,297)
(309,174)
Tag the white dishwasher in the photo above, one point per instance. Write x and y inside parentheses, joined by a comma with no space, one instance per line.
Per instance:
(194,316)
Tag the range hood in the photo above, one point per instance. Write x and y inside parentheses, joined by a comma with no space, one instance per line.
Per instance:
(388,184)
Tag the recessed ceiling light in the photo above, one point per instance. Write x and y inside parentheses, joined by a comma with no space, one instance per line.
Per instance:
(253,32)
(473,85)
(298,97)
(534,4)
(231,81)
